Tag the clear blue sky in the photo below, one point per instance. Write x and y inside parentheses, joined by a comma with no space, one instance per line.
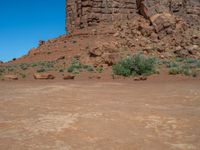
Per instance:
(24,22)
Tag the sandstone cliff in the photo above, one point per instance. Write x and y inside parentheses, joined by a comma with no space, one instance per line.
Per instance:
(83,13)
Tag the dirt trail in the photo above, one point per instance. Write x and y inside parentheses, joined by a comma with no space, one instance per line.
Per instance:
(84,115)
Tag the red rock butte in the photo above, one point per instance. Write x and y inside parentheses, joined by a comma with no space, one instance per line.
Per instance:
(83,13)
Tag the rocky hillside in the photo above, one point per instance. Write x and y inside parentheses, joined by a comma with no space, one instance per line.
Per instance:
(166,30)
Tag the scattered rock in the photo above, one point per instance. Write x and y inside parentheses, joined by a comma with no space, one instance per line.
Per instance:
(69,77)
(41,42)
(141,78)
(181,53)
(43,76)
(164,21)
(95,52)
(94,77)
(11,77)
(60,58)
(110,58)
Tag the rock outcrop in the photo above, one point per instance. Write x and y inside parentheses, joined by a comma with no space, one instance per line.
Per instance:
(83,13)
(43,76)
(11,77)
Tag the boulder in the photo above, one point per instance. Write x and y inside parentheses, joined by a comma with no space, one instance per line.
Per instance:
(141,78)
(41,42)
(60,58)
(164,21)
(97,51)
(11,77)
(111,58)
(42,76)
(69,77)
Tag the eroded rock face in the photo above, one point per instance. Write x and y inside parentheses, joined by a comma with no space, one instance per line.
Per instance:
(43,76)
(83,13)
(11,77)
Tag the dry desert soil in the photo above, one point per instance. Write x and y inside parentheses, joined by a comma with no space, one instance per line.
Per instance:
(99,115)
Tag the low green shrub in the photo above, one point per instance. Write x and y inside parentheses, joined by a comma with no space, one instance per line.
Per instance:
(175,70)
(41,70)
(190,60)
(179,59)
(24,66)
(2,70)
(135,65)
(89,68)
(22,75)
(99,69)
(75,64)
(182,69)
(76,67)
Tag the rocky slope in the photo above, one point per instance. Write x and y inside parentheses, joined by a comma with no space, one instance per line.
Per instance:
(164,29)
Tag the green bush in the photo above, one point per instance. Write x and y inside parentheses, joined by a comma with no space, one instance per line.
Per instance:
(135,65)
(89,68)
(22,75)
(75,64)
(2,70)
(184,69)
(175,70)
(190,60)
(24,66)
(41,70)
(179,59)
(99,69)
(171,64)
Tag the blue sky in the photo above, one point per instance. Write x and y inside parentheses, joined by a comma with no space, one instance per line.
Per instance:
(24,22)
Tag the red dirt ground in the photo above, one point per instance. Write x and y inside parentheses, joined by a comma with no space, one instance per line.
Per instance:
(100,115)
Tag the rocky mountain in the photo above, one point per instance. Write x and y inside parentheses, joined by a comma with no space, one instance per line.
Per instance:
(102,32)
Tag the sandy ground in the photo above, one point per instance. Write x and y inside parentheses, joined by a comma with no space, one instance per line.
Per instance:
(82,115)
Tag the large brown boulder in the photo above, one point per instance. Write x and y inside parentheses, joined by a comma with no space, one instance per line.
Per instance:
(42,76)
(164,21)
(11,77)
(68,77)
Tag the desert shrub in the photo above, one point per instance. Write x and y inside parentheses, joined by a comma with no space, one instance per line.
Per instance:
(76,71)
(40,70)
(75,65)
(47,64)
(2,70)
(22,75)
(175,70)
(171,64)
(61,70)
(10,68)
(194,74)
(179,59)
(99,69)
(135,65)
(89,68)
(198,64)
(34,65)
(182,69)
(190,60)
(24,66)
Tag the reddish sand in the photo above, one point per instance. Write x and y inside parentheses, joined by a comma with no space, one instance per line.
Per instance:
(99,115)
